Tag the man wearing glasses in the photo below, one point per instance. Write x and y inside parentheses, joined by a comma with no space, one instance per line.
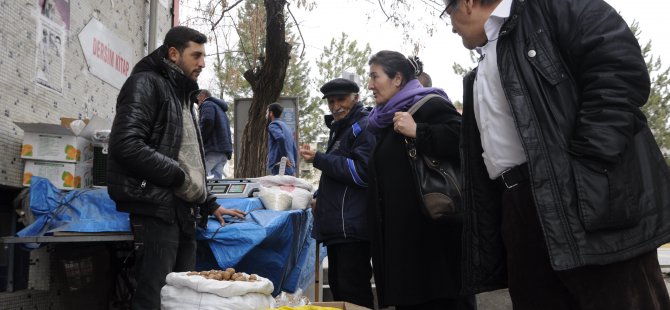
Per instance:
(565,190)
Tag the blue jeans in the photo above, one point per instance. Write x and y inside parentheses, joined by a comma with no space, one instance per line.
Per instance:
(214,164)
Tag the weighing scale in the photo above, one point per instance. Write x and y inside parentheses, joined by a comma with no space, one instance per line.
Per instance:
(233,188)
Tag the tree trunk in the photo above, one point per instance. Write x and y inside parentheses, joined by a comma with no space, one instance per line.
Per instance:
(267,80)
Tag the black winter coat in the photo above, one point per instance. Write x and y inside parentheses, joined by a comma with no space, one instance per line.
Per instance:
(414,259)
(142,168)
(574,78)
(341,205)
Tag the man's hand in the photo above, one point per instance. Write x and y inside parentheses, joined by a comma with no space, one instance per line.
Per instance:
(306,153)
(221,211)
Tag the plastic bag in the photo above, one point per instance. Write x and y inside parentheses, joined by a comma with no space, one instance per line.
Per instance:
(275,199)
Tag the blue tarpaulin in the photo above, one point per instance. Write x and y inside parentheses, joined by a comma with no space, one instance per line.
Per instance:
(86,211)
(274,244)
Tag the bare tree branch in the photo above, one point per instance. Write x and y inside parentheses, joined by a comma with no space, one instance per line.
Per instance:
(246,54)
(224,13)
(302,54)
(383,11)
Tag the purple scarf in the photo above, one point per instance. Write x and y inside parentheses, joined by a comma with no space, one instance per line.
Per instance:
(382,116)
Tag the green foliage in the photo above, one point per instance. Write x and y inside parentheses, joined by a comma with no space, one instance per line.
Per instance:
(343,55)
(657,108)
(249,47)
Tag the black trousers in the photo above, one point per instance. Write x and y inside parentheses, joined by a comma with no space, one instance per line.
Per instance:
(636,283)
(160,248)
(349,273)
(462,303)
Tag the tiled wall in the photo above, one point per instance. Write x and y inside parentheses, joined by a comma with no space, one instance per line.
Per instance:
(83,95)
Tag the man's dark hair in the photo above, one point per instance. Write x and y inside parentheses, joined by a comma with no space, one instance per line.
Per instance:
(393,62)
(205,93)
(425,79)
(180,36)
(276,109)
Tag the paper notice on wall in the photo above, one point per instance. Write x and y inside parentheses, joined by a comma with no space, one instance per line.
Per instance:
(50,58)
(57,11)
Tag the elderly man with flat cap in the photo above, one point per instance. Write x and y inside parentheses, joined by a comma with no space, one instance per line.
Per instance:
(340,212)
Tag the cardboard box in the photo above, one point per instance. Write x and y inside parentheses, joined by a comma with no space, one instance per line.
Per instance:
(61,175)
(53,142)
(339,305)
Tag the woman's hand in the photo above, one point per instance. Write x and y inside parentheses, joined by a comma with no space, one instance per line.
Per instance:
(403,123)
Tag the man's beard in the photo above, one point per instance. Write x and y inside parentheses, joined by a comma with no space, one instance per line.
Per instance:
(180,64)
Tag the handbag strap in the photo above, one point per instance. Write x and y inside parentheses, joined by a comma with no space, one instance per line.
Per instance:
(420,103)
(410,142)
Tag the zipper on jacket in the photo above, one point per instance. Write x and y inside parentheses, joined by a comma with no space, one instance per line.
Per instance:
(342,211)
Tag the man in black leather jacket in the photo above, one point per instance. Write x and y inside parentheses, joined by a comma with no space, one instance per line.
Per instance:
(565,191)
(156,165)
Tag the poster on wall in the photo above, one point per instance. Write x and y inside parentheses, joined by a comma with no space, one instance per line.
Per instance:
(50,54)
(58,11)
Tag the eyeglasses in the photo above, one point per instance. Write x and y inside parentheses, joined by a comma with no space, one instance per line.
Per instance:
(448,10)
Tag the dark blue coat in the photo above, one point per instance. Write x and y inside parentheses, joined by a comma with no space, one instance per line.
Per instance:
(215,126)
(341,204)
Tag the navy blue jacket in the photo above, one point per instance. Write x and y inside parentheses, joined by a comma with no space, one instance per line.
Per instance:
(215,126)
(341,203)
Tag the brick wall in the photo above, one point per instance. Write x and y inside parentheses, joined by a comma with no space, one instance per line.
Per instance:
(83,95)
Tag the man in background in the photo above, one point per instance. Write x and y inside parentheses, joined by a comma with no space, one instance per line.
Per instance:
(425,79)
(280,142)
(215,131)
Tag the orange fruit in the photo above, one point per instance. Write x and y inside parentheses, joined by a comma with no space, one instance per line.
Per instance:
(68,179)
(27,177)
(27,150)
(70,152)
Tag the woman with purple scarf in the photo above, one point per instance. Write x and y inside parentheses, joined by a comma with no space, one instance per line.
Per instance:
(416,261)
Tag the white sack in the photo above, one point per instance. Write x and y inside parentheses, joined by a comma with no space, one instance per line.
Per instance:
(301,199)
(275,199)
(180,298)
(220,288)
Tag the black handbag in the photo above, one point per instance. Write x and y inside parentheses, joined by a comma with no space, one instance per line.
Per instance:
(437,181)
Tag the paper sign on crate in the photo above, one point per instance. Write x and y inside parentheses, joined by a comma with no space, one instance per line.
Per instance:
(54,143)
(61,175)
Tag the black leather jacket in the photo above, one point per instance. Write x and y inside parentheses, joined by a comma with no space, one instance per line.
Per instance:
(144,142)
(574,78)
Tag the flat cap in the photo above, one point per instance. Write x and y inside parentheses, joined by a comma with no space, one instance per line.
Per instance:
(338,87)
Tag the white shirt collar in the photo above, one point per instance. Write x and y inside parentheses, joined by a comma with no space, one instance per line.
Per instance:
(497,18)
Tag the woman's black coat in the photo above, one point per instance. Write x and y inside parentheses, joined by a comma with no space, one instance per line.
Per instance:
(414,260)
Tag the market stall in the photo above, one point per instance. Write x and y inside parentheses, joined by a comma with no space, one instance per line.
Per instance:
(274,244)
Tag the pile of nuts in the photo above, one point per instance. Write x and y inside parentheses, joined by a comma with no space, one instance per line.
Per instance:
(224,275)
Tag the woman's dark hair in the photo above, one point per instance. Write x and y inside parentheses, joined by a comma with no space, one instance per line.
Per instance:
(393,62)
(179,37)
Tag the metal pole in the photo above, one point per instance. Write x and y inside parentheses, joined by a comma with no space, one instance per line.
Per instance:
(153,24)
(317,288)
